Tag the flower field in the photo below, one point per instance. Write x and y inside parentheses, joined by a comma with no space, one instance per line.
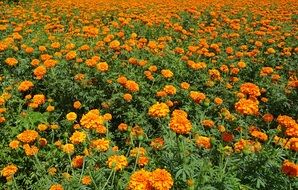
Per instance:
(149,95)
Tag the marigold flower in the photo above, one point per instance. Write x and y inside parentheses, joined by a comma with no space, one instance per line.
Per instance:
(9,170)
(197,97)
(39,72)
(77,162)
(166,73)
(92,119)
(250,89)
(132,86)
(27,136)
(170,89)
(185,85)
(115,44)
(259,135)
(180,124)
(159,110)
(204,142)
(127,97)
(78,137)
(247,106)
(157,143)
(86,180)
(102,66)
(14,144)
(161,179)
(68,148)
(56,187)
(25,85)
(290,168)
(71,116)
(11,61)
(100,144)
(139,180)
(71,55)
(30,150)
(116,162)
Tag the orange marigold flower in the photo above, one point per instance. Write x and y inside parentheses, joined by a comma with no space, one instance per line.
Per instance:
(39,72)
(204,142)
(197,97)
(115,44)
(102,66)
(179,123)
(127,97)
(39,99)
(78,137)
(139,180)
(208,123)
(170,89)
(71,55)
(9,170)
(132,86)
(161,179)
(25,85)
(250,89)
(56,187)
(27,136)
(117,162)
(100,144)
(185,85)
(268,117)
(77,105)
(259,135)
(157,143)
(77,162)
(122,127)
(218,101)
(159,110)
(92,119)
(14,144)
(247,106)
(138,151)
(86,180)
(290,168)
(30,150)
(167,73)
(11,61)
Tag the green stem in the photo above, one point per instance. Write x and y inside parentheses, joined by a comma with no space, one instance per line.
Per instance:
(103,188)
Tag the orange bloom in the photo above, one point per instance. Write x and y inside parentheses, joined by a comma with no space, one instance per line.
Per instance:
(159,110)
(132,86)
(161,179)
(139,180)
(204,142)
(39,72)
(116,162)
(25,85)
(11,61)
(71,116)
(27,136)
(290,168)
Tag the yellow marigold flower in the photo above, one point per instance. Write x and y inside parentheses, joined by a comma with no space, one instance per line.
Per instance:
(78,137)
(52,171)
(42,127)
(247,106)
(86,180)
(77,162)
(107,117)
(27,136)
(25,85)
(11,61)
(9,170)
(139,180)
(68,148)
(116,162)
(71,116)
(56,187)
(138,151)
(100,144)
(159,110)
(161,179)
